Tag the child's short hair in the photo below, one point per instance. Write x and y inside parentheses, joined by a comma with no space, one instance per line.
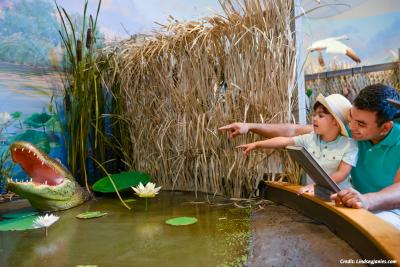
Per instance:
(324,109)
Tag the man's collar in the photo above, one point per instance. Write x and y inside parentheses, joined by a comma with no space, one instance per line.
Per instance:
(392,138)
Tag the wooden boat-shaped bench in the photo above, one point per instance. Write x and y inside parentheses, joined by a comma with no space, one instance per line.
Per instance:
(370,236)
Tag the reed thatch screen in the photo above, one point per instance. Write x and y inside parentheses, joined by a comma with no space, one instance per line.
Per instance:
(192,78)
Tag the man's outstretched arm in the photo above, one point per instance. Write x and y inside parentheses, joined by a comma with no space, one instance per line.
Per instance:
(266,130)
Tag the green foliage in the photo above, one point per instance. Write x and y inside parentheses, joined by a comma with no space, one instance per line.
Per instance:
(20,214)
(91,214)
(85,103)
(6,165)
(39,139)
(37,120)
(28,31)
(122,181)
(18,224)
(309,91)
(16,114)
(180,221)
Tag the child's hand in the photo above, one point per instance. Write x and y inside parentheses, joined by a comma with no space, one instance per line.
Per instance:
(246,148)
(306,189)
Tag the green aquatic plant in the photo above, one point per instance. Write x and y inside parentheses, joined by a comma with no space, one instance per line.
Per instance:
(180,221)
(18,224)
(84,105)
(45,221)
(122,181)
(113,184)
(6,165)
(91,214)
(19,214)
(37,120)
(148,191)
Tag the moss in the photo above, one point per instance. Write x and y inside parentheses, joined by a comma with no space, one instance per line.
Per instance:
(234,237)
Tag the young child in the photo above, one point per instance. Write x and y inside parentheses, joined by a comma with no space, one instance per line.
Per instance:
(329,143)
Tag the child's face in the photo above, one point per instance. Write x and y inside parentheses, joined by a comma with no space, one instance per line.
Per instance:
(324,123)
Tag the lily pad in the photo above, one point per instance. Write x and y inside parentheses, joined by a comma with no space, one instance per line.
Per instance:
(37,120)
(18,224)
(16,114)
(122,180)
(180,221)
(91,214)
(20,214)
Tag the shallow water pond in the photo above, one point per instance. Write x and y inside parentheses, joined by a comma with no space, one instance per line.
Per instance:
(221,237)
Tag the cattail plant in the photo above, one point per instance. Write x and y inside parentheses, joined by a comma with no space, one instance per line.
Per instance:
(85,102)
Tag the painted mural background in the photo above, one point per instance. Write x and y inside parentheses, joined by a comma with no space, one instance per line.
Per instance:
(30,51)
(28,44)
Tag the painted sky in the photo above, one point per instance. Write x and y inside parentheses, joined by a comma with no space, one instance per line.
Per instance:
(372,25)
(121,18)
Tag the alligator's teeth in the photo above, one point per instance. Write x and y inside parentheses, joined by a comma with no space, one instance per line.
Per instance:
(15,149)
(30,180)
(42,162)
(22,149)
(45,182)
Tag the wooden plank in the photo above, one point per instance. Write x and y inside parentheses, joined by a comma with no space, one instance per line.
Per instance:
(352,71)
(369,235)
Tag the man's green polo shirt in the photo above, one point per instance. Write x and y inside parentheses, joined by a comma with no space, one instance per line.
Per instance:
(377,164)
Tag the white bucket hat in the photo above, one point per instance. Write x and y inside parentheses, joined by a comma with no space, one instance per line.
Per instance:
(339,106)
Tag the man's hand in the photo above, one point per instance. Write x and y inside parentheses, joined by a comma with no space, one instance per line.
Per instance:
(351,198)
(235,129)
(246,148)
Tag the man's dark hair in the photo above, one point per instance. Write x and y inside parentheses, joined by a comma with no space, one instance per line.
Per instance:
(374,98)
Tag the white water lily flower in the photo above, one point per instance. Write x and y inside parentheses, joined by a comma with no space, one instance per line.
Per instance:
(45,221)
(5,117)
(147,191)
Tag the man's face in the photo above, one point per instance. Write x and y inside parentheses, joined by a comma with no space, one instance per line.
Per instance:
(363,125)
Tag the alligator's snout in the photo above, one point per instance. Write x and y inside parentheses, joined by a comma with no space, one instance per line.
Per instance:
(51,186)
(42,169)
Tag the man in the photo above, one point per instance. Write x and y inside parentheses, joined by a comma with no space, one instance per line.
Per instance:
(376,178)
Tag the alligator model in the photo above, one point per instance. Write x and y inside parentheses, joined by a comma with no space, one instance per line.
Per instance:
(51,187)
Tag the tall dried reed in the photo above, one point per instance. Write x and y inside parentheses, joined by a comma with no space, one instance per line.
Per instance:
(178,87)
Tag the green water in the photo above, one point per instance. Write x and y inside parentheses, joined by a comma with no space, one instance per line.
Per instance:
(221,236)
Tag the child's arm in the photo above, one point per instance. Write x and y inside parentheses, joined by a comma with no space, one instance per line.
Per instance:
(342,172)
(277,142)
